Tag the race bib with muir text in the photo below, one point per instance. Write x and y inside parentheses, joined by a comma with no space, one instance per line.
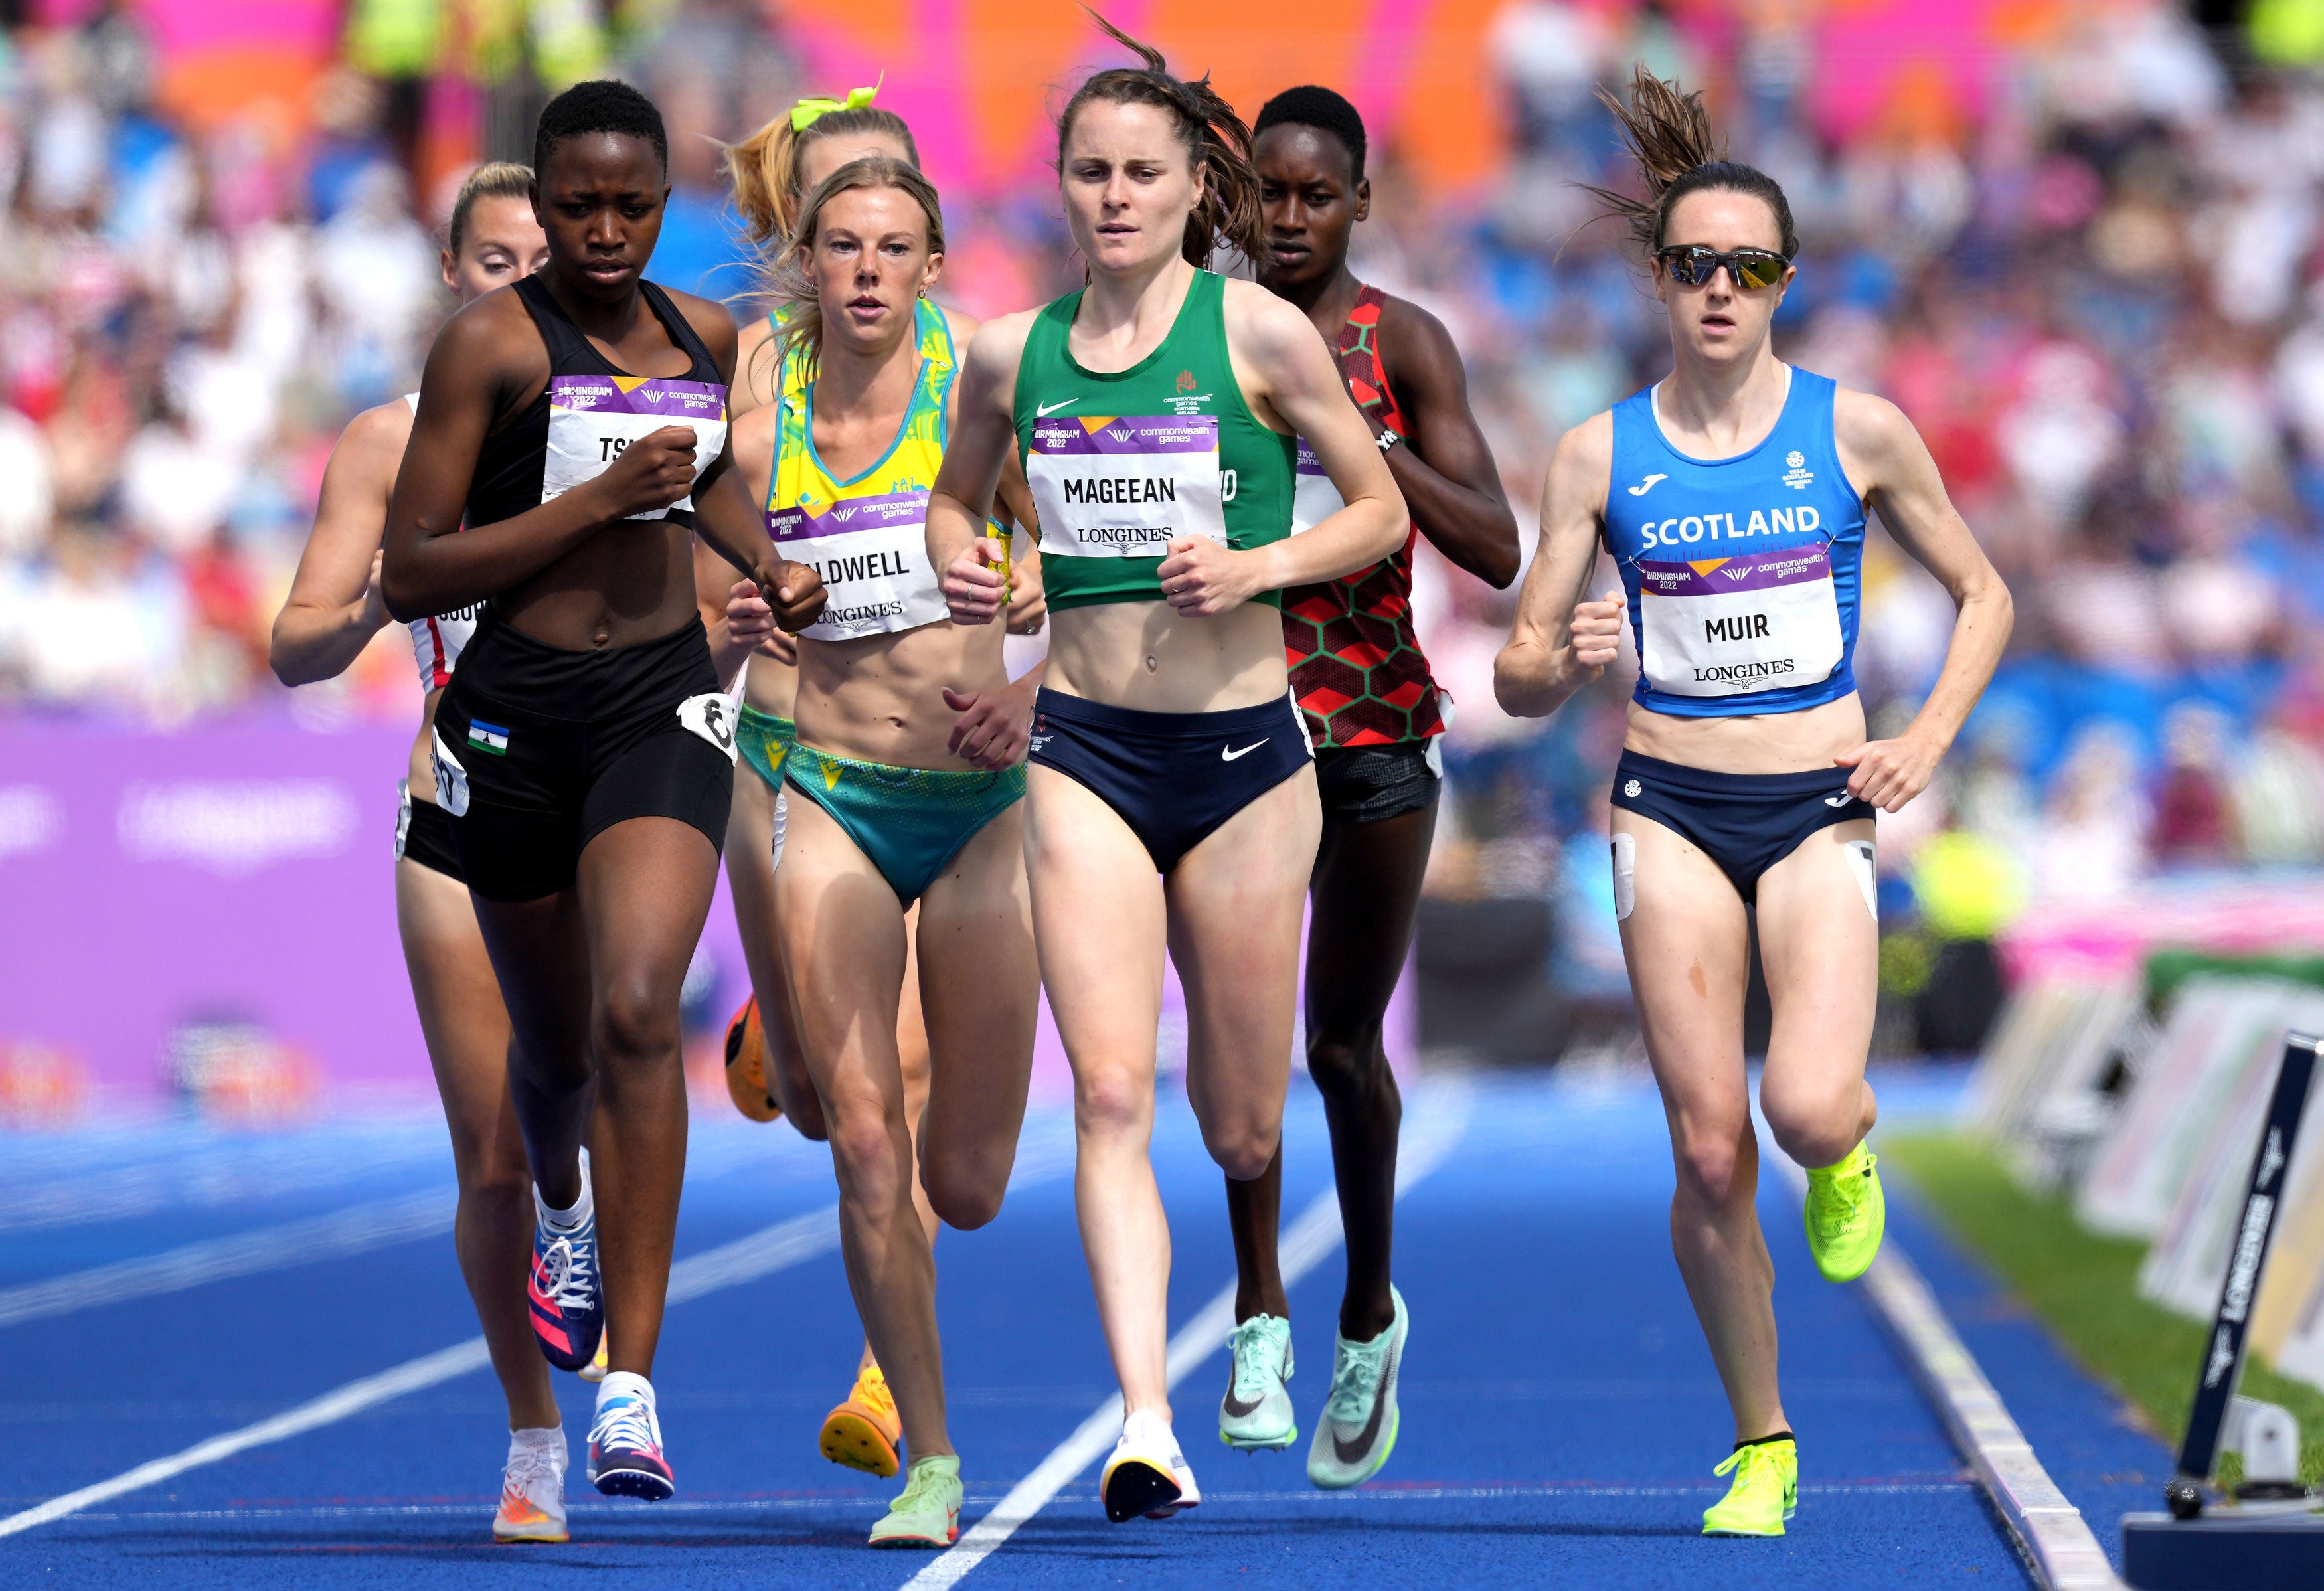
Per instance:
(1127,486)
(592,419)
(1727,626)
(872,553)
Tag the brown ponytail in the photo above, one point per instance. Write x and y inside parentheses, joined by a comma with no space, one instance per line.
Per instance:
(764,167)
(1217,143)
(1669,134)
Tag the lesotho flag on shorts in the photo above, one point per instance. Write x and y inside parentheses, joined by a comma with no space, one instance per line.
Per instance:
(489,737)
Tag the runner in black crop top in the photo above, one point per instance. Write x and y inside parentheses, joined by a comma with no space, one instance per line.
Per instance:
(584,741)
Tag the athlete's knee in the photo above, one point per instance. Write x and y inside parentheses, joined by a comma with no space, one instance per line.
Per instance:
(963,1187)
(1243,1148)
(1815,1123)
(1711,1168)
(635,1022)
(864,1155)
(1350,1065)
(1109,1104)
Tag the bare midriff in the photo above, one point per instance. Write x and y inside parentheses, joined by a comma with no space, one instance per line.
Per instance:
(1768,743)
(1148,656)
(880,698)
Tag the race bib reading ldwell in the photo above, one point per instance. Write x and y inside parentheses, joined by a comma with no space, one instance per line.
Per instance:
(1728,626)
(592,419)
(872,553)
(1127,486)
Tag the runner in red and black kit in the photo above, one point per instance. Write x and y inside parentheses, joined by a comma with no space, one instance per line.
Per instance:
(1373,712)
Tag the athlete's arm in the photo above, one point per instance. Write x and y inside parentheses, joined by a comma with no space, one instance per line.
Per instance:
(1885,459)
(482,356)
(1446,474)
(334,607)
(1560,641)
(1012,504)
(984,436)
(753,386)
(1277,344)
(725,516)
(995,727)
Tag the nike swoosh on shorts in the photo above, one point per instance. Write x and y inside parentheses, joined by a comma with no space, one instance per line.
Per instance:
(1228,756)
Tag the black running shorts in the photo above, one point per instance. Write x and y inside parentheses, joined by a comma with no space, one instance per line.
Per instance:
(539,750)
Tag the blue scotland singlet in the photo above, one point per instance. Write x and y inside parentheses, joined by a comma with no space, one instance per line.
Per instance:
(1742,573)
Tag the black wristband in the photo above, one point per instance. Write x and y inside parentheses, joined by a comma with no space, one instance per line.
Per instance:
(1388,439)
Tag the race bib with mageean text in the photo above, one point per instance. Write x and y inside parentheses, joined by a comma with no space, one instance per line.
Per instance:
(1127,486)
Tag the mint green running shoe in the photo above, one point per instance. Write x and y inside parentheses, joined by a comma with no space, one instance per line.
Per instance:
(1845,1215)
(1257,1413)
(1358,1430)
(1765,1493)
(927,1514)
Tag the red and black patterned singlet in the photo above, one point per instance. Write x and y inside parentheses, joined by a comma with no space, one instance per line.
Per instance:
(1356,664)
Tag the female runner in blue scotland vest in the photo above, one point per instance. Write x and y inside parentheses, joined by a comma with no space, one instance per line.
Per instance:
(1732,497)
(1171,800)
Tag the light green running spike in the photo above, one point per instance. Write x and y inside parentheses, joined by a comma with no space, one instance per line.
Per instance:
(1845,1215)
(1764,1494)
(927,1514)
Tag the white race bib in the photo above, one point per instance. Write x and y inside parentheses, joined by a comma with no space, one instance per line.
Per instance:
(1127,487)
(872,553)
(1726,626)
(1313,497)
(593,418)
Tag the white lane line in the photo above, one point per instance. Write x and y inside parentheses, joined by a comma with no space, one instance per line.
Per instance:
(746,1259)
(763,1253)
(2048,1531)
(269,1248)
(1428,1138)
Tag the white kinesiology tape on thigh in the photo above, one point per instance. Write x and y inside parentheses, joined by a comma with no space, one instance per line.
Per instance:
(1626,876)
(1860,863)
(782,816)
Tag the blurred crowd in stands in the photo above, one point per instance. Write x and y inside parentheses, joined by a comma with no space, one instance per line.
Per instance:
(2099,293)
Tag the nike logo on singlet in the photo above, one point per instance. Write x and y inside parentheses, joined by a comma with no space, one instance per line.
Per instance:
(1044,410)
(1227,756)
(1647,486)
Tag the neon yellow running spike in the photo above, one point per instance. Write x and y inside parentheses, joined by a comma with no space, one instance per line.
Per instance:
(1765,1493)
(1845,1215)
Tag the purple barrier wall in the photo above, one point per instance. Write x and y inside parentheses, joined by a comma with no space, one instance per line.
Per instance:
(244,873)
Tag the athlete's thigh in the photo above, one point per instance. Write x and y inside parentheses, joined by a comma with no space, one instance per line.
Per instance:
(1363,899)
(461,1015)
(540,952)
(844,937)
(1820,945)
(645,887)
(980,987)
(1098,923)
(1687,943)
(1235,904)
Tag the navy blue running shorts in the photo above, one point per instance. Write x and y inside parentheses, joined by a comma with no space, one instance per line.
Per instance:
(1745,822)
(1173,778)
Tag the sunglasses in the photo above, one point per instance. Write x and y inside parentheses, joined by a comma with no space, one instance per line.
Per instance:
(1691,266)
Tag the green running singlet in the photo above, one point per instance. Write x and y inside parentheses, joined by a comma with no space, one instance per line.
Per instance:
(1122,462)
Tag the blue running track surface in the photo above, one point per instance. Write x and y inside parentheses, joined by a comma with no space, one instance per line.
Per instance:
(164,1284)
